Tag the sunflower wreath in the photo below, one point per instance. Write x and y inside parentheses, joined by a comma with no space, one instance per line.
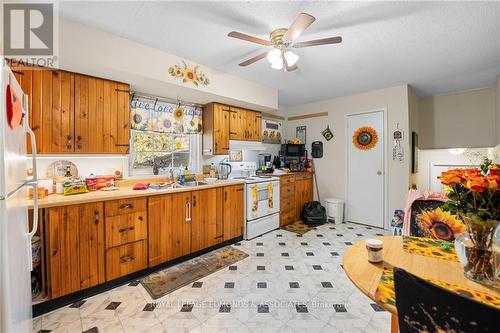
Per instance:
(365,138)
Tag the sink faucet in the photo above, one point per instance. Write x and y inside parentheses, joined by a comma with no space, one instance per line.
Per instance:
(171,172)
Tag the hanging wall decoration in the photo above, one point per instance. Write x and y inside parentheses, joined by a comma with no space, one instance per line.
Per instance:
(189,74)
(155,115)
(365,138)
(327,133)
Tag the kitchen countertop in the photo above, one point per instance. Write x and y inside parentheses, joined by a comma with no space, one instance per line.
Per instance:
(123,192)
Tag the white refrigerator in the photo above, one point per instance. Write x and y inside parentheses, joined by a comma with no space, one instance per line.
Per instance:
(15,236)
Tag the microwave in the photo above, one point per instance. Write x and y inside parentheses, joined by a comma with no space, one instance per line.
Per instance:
(293,150)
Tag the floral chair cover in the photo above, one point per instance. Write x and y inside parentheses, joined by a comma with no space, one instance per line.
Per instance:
(424,217)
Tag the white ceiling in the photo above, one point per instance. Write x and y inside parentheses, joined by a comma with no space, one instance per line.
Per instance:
(437,47)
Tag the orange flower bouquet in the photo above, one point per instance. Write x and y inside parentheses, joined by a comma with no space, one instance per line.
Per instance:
(474,195)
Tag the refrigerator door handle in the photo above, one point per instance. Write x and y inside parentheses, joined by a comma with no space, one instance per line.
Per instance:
(33,151)
(35,220)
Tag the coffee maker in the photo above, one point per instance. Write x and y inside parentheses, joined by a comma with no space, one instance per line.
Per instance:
(265,163)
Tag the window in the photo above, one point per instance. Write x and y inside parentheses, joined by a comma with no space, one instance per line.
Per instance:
(165,150)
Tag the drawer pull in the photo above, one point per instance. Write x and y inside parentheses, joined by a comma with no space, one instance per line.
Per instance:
(127,205)
(125,259)
(126,229)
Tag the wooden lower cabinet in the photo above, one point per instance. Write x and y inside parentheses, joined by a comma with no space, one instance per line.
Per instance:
(169,228)
(75,248)
(125,259)
(295,191)
(234,211)
(207,218)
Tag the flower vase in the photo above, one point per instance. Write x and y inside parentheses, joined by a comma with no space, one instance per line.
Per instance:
(476,251)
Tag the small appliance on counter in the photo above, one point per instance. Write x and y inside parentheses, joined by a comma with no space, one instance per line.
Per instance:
(224,169)
(265,163)
(293,156)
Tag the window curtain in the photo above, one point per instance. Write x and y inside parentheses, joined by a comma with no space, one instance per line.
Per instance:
(155,115)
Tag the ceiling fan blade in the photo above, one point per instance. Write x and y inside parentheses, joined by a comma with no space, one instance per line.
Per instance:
(254,59)
(323,41)
(301,23)
(249,38)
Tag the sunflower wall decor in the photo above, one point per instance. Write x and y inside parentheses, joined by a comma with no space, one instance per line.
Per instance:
(365,138)
(189,74)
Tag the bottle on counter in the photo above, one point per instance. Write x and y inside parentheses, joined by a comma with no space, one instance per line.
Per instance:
(212,171)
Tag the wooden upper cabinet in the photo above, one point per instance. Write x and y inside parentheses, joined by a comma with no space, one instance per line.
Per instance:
(75,248)
(216,121)
(101,116)
(75,113)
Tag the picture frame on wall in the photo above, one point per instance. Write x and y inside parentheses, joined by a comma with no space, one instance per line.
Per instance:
(414,152)
(300,133)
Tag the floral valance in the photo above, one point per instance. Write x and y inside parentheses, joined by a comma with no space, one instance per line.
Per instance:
(151,114)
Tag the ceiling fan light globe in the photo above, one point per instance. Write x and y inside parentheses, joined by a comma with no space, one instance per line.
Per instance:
(291,58)
(274,56)
(277,65)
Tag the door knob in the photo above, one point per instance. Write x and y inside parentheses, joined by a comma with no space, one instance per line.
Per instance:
(379,173)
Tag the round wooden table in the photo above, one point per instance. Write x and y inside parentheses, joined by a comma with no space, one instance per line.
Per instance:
(366,275)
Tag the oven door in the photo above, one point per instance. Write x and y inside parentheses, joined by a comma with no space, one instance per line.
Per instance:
(262,199)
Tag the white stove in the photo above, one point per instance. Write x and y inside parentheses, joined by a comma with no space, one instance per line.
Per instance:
(262,199)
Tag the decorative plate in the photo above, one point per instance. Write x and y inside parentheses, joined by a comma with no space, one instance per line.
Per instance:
(365,138)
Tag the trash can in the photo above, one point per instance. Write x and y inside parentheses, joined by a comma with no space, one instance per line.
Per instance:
(334,210)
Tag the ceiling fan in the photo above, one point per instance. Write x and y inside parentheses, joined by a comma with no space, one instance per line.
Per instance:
(282,40)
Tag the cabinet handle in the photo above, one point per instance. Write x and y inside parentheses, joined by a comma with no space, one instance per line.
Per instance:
(225,196)
(233,133)
(126,258)
(69,143)
(194,200)
(79,142)
(188,210)
(128,205)
(126,229)
(140,218)
(96,216)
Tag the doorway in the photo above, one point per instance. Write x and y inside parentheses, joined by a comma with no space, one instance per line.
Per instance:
(365,199)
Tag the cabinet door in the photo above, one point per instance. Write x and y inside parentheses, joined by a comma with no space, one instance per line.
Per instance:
(250,125)
(57,104)
(75,248)
(101,116)
(236,126)
(221,129)
(257,127)
(206,223)
(169,227)
(233,211)
(299,197)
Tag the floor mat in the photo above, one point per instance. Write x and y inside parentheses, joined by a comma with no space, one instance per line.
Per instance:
(164,282)
(298,227)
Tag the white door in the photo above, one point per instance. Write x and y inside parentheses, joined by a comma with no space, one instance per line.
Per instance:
(365,168)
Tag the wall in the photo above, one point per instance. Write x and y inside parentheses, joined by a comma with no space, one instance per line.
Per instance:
(105,55)
(330,170)
(463,119)
(428,157)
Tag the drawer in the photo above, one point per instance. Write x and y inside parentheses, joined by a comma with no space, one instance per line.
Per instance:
(303,175)
(288,179)
(287,191)
(126,228)
(126,259)
(124,206)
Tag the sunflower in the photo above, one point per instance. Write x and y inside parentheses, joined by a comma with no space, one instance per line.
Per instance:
(171,70)
(365,138)
(189,75)
(178,114)
(178,72)
(441,225)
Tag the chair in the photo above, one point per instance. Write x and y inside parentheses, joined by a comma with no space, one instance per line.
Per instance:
(425,307)
(424,217)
